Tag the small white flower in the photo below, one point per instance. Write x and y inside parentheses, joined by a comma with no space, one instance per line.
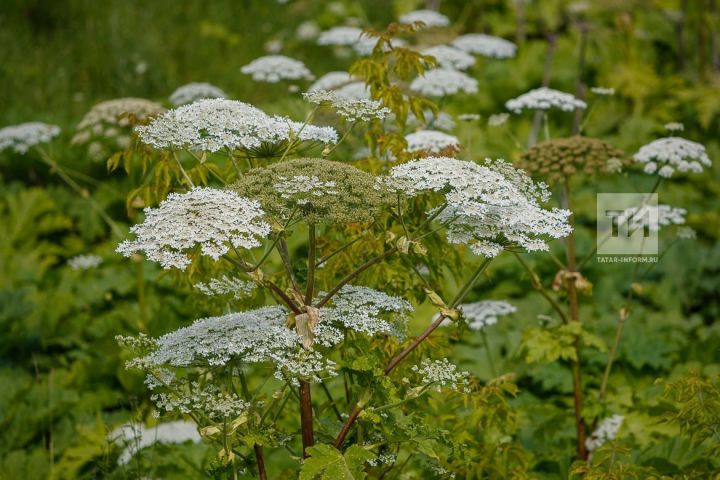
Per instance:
(226,285)
(450,57)
(307,30)
(469,117)
(349,109)
(603,91)
(442,373)
(482,314)
(652,216)
(274,68)
(340,36)
(354,91)
(331,81)
(443,121)
(25,135)
(442,81)
(430,18)
(605,431)
(670,154)
(195,91)
(674,127)
(84,262)
(205,217)
(544,98)
(498,119)
(431,141)
(485,45)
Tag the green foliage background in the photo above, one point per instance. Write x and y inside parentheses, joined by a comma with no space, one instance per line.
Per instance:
(63,382)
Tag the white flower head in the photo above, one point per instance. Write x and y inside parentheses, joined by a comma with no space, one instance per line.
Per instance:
(486,207)
(85,262)
(442,373)
(209,218)
(307,30)
(667,155)
(217,124)
(603,91)
(331,81)
(274,68)
(354,91)
(485,45)
(340,36)
(431,141)
(450,57)
(352,110)
(605,431)
(25,135)
(674,127)
(430,18)
(484,313)
(440,82)
(498,119)
(226,285)
(544,98)
(442,121)
(195,91)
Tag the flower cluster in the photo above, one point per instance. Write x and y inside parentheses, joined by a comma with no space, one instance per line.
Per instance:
(485,45)
(604,91)
(607,430)
(442,121)
(544,98)
(430,18)
(352,110)
(226,285)
(442,373)
(217,124)
(340,36)
(85,262)
(667,155)
(195,91)
(331,81)
(210,400)
(440,82)
(273,68)
(365,311)
(561,158)
(450,57)
(674,127)
(481,314)
(25,135)
(431,141)
(135,437)
(487,207)
(206,217)
(107,124)
(352,198)
(652,216)
(354,91)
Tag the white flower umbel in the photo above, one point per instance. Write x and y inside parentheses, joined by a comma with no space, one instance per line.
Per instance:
(354,91)
(481,314)
(350,109)
(486,207)
(654,217)
(340,36)
(440,82)
(430,18)
(498,119)
(85,262)
(431,141)
(331,81)
(674,127)
(485,45)
(442,373)
(116,113)
(217,124)
(135,437)
(274,68)
(186,398)
(443,121)
(667,155)
(450,57)
(603,91)
(25,135)
(195,91)
(544,98)
(363,310)
(211,219)
(226,285)
(607,430)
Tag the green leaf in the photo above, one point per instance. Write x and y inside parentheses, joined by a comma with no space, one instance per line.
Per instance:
(327,463)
